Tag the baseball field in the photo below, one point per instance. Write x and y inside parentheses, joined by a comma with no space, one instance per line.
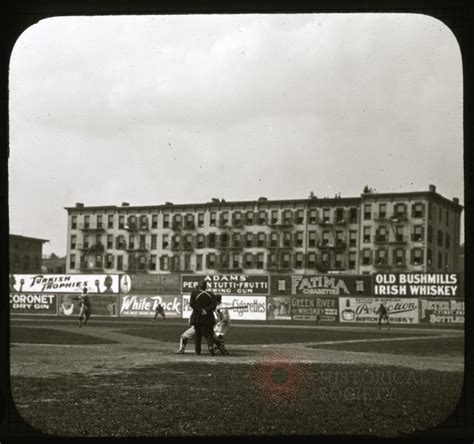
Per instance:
(121,378)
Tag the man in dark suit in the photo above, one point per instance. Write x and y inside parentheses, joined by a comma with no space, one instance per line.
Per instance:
(203,303)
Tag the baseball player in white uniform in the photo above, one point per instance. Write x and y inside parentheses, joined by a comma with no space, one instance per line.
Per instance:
(220,329)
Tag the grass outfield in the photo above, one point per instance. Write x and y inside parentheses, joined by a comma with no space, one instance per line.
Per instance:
(33,335)
(425,347)
(198,399)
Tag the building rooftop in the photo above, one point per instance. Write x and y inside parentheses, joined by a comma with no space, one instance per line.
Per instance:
(18,236)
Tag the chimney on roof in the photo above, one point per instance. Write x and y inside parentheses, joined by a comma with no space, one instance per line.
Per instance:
(456,200)
(262,199)
(168,203)
(79,205)
(215,200)
(125,204)
(432,188)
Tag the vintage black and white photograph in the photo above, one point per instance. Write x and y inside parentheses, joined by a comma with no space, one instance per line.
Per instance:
(236,224)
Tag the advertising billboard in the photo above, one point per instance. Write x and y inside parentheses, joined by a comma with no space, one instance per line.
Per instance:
(443,285)
(255,309)
(145,305)
(278,308)
(441,311)
(239,284)
(364,310)
(155,283)
(64,283)
(101,305)
(321,309)
(322,285)
(34,303)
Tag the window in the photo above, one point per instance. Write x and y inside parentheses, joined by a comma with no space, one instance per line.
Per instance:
(382,210)
(99,220)
(417,256)
(211,240)
(189,220)
(248,240)
(224,218)
(381,257)
(177,221)
(417,233)
(200,220)
(131,221)
(249,217)
(287,239)
(440,238)
(312,239)
(447,217)
(188,242)
(236,242)
(152,264)
(448,243)
(120,262)
(430,233)
(176,263)
(366,257)
(213,219)
(382,234)
(131,242)
(72,261)
(260,259)
(326,237)
(86,241)
(418,210)
(261,240)
(313,216)
(200,240)
(110,241)
(311,260)
(110,261)
(287,217)
(272,261)
(400,210)
(98,239)
(166,221)
(353,215)
(274,217)
(326,260)
(235,261)
(98,261)
(165,242)
(367,211)
(429,256)
(262,217)
(187,262)
(74,222)
(121,222)
(440,213)
(352,260)
(73,241)
(366,238)
(224,240)
(338,260)
(440,260)
(176,242)
(285,261)
(340,214)
(199,262)
(237,218)
(446,261)
(153,241)
(300,217)
(164,263)
(340,237)
(224,261)
(143,221)
(399,256)
(154,224)
(399,233)
(248,260)
(326,214)
(352,238)
(299,239)
(299,260)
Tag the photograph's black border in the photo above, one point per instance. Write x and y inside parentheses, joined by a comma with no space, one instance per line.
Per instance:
(19,15)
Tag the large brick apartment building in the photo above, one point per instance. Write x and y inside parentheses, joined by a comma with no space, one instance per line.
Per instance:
(412,231)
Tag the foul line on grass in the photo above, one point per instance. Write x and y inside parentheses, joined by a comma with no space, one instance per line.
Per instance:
(354,341)
(58,345)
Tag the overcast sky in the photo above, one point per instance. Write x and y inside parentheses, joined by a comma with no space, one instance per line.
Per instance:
(186,108)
